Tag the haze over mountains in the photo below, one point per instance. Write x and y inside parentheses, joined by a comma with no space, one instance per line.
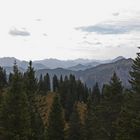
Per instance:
(89,71)
(77,64)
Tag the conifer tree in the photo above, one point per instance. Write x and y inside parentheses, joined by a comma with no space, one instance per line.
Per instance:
(47,83)
(41,85)
(92,127)
(3,79)
(30,83)
(96,94)
(14,114)
(109,108)
(55,129)
(128,123)
(135,75)
(75,127)
(55,83)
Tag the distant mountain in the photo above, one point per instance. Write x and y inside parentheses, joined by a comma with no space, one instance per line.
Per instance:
(9,62)
(79,67)
(101,73)
(77,64)
(89,74)
(68,64)
(57,71)
(118,58)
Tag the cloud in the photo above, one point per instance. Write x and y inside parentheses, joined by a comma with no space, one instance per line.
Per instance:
(44,34)
(38,19)
(19,32)
(113,27)
(116,14)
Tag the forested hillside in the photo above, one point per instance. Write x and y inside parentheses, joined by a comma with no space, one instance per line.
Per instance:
(65,108)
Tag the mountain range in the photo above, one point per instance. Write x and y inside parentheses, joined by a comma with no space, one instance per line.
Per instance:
(101,73)
(89,71)
(77,64)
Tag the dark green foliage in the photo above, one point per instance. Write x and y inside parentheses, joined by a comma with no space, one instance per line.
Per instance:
(128,123)
(135,75)
(47,83)
(40,85)
(55,83)
(55,129)
(75,127)
(71,91)
(30,81)
(3,79)
(96,94)
(92,128)
(107,111)
(44,84)
(14,115)
(30,85)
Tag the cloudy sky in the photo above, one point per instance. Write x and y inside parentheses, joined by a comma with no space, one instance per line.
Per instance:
(69,29)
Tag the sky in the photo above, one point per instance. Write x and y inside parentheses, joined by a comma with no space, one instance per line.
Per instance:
(69,29)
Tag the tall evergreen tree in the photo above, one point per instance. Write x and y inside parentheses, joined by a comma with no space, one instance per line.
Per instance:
(128,123)
(41,85)
(47,83)
(55,83)
(109,108)
(92,127)
(96,94)
(135,75)
(31,88)
(3,78)
(14,114)
(55,130)
(75,127)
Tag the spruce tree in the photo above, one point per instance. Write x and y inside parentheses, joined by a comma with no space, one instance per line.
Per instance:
(75,127)
(92,127)
(109,108)
(55,83)
(3,78)
(135,75)
(41,85)
(30,85)
(96,94)
(47,83)
(14,114)
(128,123)
(55,129)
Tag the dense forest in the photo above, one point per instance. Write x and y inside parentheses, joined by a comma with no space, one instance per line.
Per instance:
(64,108)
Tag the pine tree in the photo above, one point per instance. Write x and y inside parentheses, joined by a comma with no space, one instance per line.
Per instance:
(30,84)
(109,108)
(135,75)
(96,94)
(47,83)
(41,85)
(92,127)
(55,83)
(128,123)
(3,79)
(75,127)
(55,130)
(14,115)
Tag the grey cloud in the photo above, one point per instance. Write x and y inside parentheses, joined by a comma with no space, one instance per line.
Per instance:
(98,43)
(116,14)
(17,32)
(38,19)
(90,43)
(44,34)
(112,27)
